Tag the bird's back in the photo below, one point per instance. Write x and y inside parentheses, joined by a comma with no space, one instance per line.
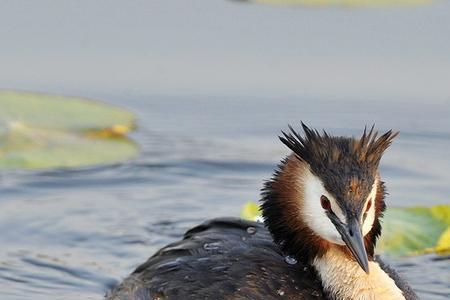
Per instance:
(224,258)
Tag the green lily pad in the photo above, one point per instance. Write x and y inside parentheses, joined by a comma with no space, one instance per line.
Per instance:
(443,244)
(46,131)
(348,3)
(409,231)
(250,211)
(60,112)
(406,231)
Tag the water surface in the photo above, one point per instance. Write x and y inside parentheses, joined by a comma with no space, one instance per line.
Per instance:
(72,234)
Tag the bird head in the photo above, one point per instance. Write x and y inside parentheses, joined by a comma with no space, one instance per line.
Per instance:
(327,193)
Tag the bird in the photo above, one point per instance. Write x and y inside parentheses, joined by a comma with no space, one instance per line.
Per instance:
(321,212)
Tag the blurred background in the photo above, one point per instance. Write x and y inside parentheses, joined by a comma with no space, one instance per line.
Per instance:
(211,84)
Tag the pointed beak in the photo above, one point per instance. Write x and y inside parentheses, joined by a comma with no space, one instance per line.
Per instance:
(352,236)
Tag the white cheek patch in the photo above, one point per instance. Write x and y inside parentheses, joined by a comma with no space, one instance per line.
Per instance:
(313,212)
(315,216)
(370,217)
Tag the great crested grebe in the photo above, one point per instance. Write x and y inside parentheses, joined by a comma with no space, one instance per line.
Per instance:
(321,212)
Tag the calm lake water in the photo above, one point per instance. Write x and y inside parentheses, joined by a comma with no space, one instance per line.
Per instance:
(72,234)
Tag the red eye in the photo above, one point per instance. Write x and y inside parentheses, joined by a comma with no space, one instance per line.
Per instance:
(369,204)
(325,203)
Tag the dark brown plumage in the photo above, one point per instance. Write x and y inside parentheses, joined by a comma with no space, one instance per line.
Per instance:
(225,258)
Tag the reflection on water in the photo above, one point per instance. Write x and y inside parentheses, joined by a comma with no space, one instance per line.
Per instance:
(73,233)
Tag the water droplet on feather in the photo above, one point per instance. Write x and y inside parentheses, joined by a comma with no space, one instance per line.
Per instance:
(251,230)
(290,260)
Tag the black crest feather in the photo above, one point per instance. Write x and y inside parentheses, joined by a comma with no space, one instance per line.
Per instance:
(315,147)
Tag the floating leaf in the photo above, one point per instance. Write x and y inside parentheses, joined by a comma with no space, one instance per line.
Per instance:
(250,211)
(406,231)
(410,231)
(348,3)
(442,213)
(443,245)
(45,131)
(60,112)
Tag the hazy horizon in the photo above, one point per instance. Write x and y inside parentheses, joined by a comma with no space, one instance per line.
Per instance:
(225,48)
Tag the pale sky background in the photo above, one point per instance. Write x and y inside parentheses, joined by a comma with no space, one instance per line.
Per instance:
(220,47)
